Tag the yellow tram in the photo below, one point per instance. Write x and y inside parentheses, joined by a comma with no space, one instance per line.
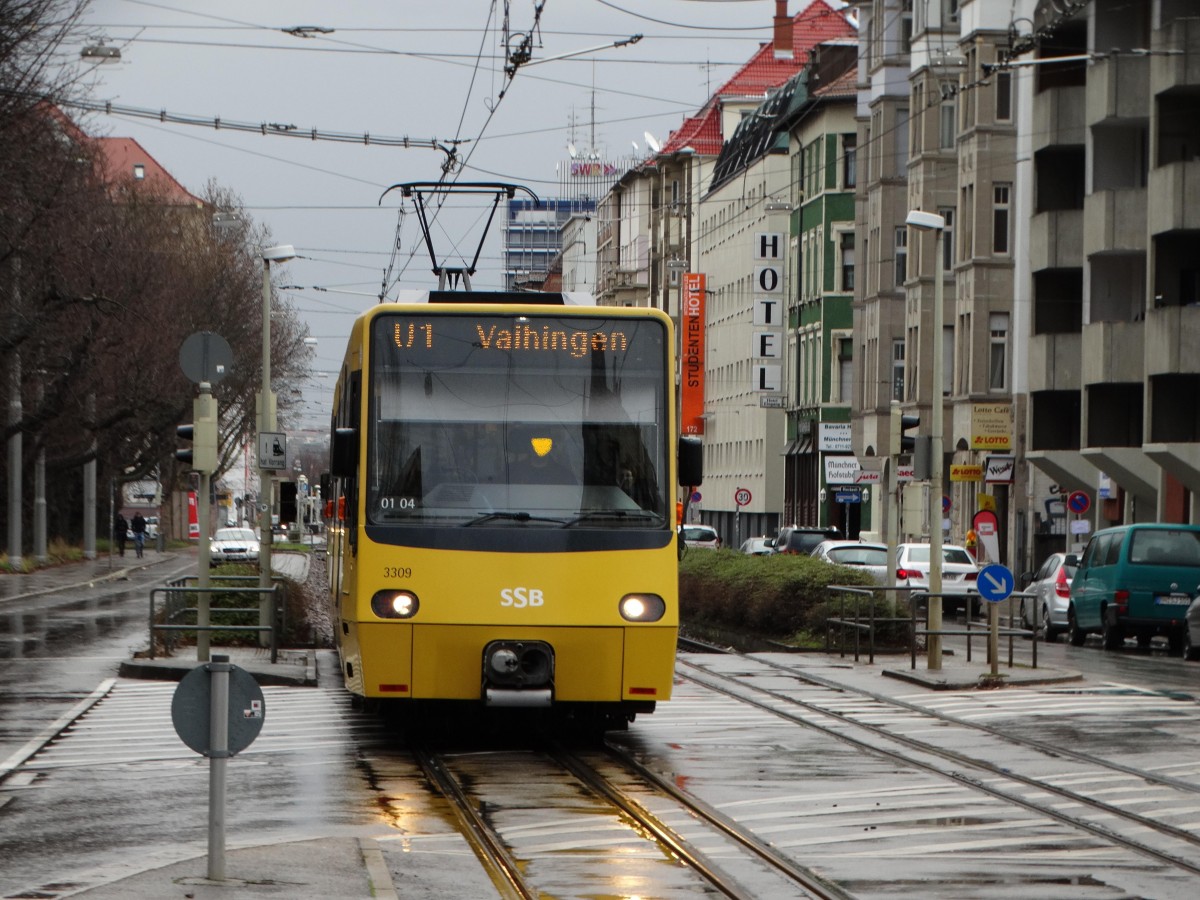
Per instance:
(503,469)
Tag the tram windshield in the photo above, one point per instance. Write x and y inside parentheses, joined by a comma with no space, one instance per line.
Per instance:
(507,421)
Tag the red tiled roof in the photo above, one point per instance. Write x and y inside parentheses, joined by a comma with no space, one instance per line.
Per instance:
(845,85)
(702,133)
(120,155)
(818,22)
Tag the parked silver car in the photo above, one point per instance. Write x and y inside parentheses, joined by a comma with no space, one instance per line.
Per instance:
(959,573)
(869,558)
(758,546)
(1052,585)
(701,536)
(1191,631)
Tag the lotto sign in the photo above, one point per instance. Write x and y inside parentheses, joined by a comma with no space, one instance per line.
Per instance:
(991,426)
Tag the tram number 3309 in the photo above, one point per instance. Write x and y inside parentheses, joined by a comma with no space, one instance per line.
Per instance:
(520,597)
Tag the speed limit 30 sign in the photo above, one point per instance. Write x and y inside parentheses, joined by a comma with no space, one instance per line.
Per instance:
(741,497)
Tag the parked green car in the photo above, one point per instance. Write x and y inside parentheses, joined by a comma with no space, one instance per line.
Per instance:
(1135,581)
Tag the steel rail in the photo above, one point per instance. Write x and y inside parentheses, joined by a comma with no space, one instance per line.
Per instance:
(497,861)
(714,681)
(813,883)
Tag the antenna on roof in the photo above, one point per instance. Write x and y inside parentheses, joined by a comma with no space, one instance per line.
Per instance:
(652,142)
(571,150)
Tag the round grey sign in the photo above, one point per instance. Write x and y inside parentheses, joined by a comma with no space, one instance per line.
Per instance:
(205,356)
(191,708)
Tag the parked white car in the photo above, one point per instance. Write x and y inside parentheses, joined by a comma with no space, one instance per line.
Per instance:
(959,574)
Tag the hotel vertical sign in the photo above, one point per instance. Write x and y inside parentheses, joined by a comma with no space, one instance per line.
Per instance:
(691,388)
(766,370)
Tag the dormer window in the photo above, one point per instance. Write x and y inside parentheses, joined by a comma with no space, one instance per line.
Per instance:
(139,171)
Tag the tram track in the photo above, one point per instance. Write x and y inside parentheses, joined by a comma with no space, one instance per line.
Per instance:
(1173,845)
(620,789)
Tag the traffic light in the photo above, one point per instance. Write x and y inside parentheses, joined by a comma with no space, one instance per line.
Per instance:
(202,433)
(287,502)
(901,442)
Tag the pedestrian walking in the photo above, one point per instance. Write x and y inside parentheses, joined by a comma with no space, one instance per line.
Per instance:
(120,532)
(138,527)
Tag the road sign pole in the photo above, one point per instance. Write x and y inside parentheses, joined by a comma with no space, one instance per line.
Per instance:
(218,760)
(994,637)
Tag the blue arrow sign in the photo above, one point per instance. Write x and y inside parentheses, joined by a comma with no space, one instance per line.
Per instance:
(995,583)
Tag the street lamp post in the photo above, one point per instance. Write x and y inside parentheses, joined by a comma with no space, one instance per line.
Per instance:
(266,425)
(926,221)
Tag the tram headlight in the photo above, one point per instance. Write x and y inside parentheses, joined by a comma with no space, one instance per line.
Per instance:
(395,604)
(642,607)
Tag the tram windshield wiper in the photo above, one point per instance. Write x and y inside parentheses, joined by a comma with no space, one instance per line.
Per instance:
(624,516)
(512,517)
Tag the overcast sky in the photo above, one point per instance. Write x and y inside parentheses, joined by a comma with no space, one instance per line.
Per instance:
(423,69)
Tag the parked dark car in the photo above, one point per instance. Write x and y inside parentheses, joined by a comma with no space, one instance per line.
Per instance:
(1137,581)
(802,540)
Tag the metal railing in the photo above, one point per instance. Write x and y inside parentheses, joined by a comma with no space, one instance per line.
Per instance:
(176,606)
(980,630)
(856,625)
(859,625)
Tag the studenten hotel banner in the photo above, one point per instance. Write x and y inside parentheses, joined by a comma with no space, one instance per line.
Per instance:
(691,388)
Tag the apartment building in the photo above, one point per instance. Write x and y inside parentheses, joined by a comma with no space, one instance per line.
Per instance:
(1114,274)
(1057,140)
(820,345)
(938,134)
(652,231)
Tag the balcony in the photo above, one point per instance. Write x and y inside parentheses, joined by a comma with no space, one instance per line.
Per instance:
(1054,362)
(1056,240)
(1114,222)
(1172,338)
(1176,63)
(1174,197)
(1118,89)
(1112,353)
(1058,117)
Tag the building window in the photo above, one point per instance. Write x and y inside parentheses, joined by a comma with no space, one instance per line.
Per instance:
(949,12)
(906,25)
(1000,210)
(947,213)
(898,369)
(947,357)
(998,352)
(916,101)
(846,264)
(966,237)
(139,171)
(901,255)
(845,361)
(849,160)
(1003,96)
(946,123)
(901,145)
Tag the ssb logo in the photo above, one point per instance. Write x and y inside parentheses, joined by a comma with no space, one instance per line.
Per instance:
(521,597)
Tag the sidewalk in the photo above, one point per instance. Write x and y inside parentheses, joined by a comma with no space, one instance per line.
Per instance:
(84,573)
(303,870)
